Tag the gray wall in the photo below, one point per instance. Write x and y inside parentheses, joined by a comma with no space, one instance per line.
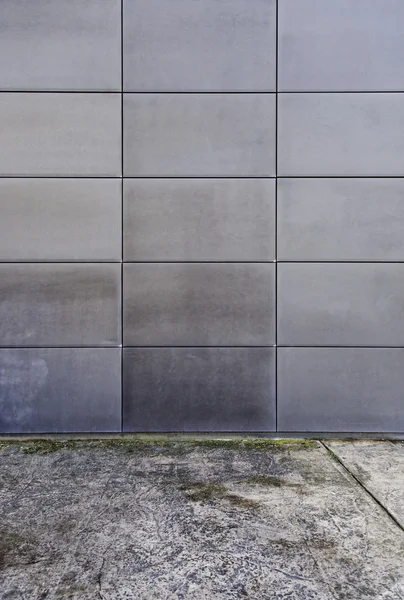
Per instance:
(202,215)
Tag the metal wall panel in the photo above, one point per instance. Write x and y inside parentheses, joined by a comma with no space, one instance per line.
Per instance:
(60,219)
(341,219)
(341,45)
(199,389)
(199,135)
(60,134)
(54,390)
(341,134)
(340,389)
(200,46)
(58,45)
(205,304)
(341,304)
(59,304)
(199,219)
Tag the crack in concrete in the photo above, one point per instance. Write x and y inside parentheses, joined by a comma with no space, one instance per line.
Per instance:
(290,576)
(99,579)
(337,459)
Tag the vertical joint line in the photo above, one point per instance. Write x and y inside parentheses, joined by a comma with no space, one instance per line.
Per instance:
(276,215)
(122,216)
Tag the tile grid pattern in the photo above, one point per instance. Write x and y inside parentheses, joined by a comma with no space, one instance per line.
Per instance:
(240,359)
(60,202)
(340,217)
(246,276)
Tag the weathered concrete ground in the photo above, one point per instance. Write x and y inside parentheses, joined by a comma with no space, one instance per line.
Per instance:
(161,520)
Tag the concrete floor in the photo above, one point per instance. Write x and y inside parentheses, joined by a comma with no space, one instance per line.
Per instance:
(170,519)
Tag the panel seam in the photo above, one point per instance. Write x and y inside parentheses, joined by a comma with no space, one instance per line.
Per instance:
(276,217)
(122,217)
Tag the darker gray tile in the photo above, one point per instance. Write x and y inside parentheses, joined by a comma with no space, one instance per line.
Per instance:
(199,46)
(199,389)
(199,219)
(59,390)
(341,45)
(341,219)
(341,134)
(340,304)
(72,45)
(340,389)
(60,134)
(199,134)
(60,219)
(59,304)
(180,304)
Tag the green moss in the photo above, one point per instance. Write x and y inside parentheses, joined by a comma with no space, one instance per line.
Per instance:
(46,446)
(171,445)
(15,544)
(268,481)
(208,492)
(204,492)
(242,502)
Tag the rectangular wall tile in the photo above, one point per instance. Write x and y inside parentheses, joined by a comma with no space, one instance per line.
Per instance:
(199,219)
(60,134)
(340,304)
(340,389)
(341,219)
(200,46)
(60,219)
(58,390)
(344,45)
(199,389)
(59,304)
(72,45)
(198,304)
(199,135)
(341,134)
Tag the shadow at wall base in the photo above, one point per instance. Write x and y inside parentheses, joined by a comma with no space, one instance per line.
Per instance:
(199,436)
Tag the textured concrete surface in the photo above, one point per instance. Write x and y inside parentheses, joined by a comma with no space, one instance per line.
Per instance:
(132,519)
(380,467)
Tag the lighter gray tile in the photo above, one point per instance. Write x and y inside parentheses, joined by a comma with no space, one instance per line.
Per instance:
(59,304)
(341,219)
(200,46)
(340,389)
(74,45)
(59,390)
(60,134)
(199,389)
(199,135)
(341,134)
(198,304)
(199,219)
(60,219)
(341,45)
(340,304)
